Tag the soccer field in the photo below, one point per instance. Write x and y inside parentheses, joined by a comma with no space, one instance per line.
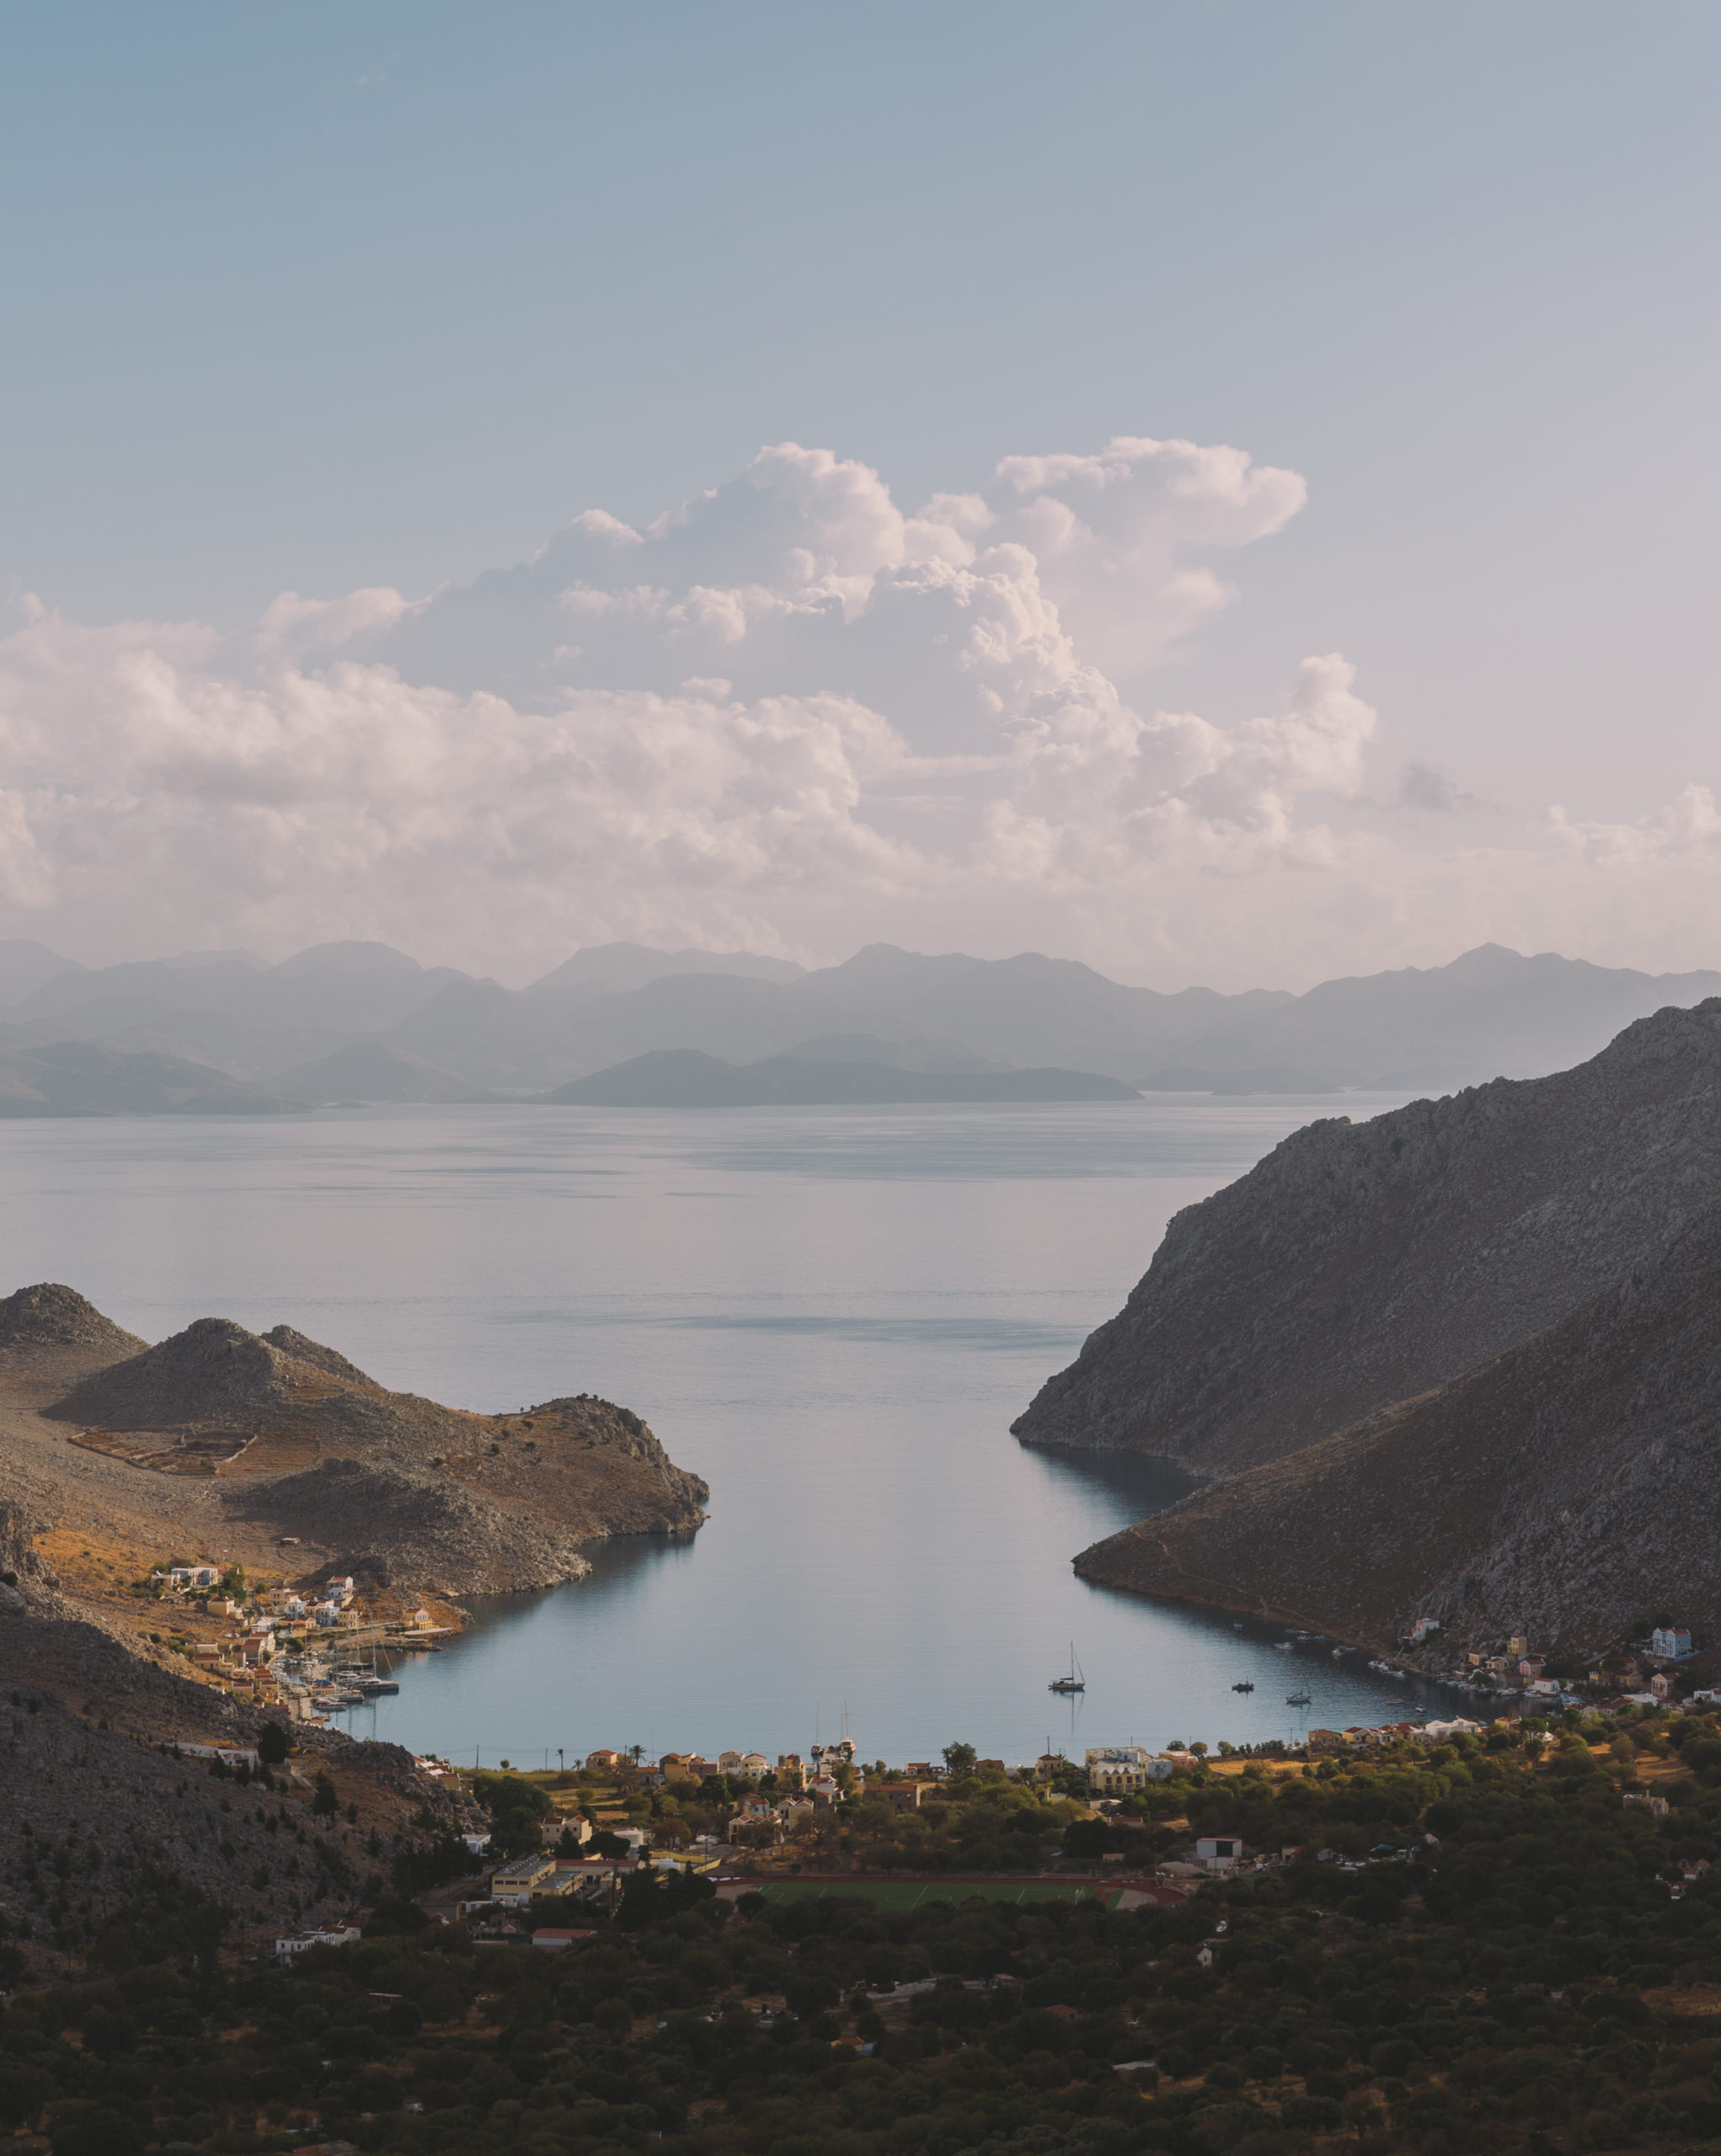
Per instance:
(911,1893)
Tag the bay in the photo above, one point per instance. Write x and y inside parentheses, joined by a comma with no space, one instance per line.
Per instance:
(832,1315)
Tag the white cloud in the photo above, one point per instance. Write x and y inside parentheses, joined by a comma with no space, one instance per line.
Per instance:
(786,714)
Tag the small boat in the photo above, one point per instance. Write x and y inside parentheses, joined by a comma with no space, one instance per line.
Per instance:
(1244,1687)
(1284,1646)
(1298,1698)
(1075,1682)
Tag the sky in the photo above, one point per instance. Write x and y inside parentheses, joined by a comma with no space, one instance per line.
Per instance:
(1220,490)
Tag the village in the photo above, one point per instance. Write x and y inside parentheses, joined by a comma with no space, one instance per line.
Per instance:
(555,1851)
(308,1650)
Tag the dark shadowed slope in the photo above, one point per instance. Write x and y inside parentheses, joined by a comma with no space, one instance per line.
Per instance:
(1562,1489)
(1357,1265)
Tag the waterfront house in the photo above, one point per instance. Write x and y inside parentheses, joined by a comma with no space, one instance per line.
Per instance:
(603,1762)
(1672,1642)
(791,1771)
(743,1766)
(826,1788)
(904,1796)
(1114,1769)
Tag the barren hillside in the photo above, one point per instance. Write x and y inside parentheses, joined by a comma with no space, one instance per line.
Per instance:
(1361,1264)
(1564,1489)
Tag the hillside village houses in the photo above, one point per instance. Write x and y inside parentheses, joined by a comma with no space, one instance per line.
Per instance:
(1119,1769)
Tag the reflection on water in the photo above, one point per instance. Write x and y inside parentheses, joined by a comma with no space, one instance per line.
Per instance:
(837,1341)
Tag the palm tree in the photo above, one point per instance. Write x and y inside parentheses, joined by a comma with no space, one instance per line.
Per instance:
(636,1752)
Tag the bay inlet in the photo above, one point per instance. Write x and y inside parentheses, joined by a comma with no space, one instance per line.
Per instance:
(832,1315)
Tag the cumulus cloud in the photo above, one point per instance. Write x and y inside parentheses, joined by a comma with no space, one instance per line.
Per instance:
(788,714)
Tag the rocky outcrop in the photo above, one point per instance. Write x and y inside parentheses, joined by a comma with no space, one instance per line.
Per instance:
(48,1319)
(213,1371)
(310,1447)
(1567,1489)
(27,1582)
(426,1529)
(1361,1265)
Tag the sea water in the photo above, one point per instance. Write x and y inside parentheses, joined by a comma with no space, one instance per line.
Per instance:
(832,1315)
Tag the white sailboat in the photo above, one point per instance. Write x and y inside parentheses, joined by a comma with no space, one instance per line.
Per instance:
(1075,1682)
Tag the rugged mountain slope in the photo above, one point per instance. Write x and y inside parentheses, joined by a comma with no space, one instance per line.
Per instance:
(1563,1489)
(1358,1265)
(219,1434)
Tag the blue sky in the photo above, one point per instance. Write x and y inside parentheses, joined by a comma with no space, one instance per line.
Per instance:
(316,298)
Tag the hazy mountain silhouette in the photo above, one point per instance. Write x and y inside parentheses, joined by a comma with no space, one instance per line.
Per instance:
(1490,1012)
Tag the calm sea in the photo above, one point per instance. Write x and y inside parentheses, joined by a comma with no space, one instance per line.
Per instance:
(831,1315)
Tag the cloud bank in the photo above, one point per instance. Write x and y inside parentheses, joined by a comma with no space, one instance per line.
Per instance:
(790,715)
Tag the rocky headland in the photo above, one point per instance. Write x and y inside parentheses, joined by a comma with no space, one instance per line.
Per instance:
(1463,1361)
(220,1436)
(273,1453)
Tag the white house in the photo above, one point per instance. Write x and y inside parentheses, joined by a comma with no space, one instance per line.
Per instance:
(1671,1642)
(1218,1852)
(339,1934)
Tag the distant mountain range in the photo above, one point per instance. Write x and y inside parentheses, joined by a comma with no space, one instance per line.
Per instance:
(431,1033)
(682,1078)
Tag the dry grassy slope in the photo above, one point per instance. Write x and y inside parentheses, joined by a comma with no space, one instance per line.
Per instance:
(82,1722)
(1563,1488)
(398,1485)
(1357,1265)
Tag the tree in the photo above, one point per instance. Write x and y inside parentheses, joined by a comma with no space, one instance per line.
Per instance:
(272,1745)
(959,1761)
(326,1801)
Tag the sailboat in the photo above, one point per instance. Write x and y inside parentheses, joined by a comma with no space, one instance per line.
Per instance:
(1075,1682)
(1297,1699)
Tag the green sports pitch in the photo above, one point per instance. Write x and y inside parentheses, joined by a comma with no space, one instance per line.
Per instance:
(914,1893)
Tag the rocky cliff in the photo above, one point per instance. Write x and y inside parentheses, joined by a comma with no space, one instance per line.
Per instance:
(1360,1265)
(1566,1488)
